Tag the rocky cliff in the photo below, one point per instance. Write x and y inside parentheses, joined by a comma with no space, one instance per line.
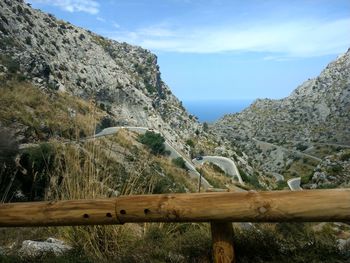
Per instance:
(277,133)
(318,110)
(123,80)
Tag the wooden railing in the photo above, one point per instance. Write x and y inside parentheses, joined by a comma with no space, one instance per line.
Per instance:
(218,208)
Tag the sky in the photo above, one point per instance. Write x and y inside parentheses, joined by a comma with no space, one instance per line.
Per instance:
(222,49)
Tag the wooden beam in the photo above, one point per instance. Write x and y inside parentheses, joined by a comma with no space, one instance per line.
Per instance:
(58,213)
(276,206)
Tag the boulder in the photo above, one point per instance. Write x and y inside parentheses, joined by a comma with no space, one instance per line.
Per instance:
(343,244)
(36,248)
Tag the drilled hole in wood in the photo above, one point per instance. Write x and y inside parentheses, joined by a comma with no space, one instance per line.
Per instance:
(147,211)
(123,212)
(109,215)
(86,216)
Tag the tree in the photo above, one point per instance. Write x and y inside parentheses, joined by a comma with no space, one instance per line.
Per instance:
(205,127)
(154,141)
(190,143)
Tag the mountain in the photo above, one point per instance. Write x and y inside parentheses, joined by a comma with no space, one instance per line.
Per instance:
(123,80)
(277,133)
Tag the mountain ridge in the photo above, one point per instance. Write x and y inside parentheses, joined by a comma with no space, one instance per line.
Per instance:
(275,133)
(122,79)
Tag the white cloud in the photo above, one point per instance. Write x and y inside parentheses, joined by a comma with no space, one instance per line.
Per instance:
(115,25)
(101,19)
(304,38)
(88,6)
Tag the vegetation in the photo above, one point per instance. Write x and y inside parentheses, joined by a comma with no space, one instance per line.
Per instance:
(215,176)
(36,162)
(301,147)
(287,242)
(57,170)
(250,179)
(190,143)
(180,162)
(8,152)
(205,126)
(12,65)
(281,185)
(46,115)
(154,141)
(345,156)
(151,89)
(305,179)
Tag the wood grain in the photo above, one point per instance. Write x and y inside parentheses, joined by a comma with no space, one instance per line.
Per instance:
(277,206)
(59,213)
(222,238)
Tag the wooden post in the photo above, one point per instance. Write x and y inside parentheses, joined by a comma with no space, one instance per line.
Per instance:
(222,237)
(199,183)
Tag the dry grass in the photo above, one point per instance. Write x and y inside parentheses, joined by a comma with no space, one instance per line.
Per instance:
(60,114)
(95,170)
(216,178)
(88,171)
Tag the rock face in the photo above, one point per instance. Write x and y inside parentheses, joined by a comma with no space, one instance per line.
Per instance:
(318,110)
(333,170)
(38,248)
(123,80)
(275,133)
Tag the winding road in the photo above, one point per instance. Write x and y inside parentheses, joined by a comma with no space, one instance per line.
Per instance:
(294,184)
(226,164)
(173,152)
(288,150)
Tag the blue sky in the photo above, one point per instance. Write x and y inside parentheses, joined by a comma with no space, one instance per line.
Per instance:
(222,49)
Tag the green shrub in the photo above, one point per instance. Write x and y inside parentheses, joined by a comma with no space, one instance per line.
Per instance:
(205,126)
(179,162)
(252,179)
(305,179)
(8,152)
(281,185)
(151,89)
(28,41)
(154,141)
(12,65)
(288,242)
(167,184)
(190,143)
(335,169)
(37,161)
(345,157)
(217,168)
(301,147)
(105,122)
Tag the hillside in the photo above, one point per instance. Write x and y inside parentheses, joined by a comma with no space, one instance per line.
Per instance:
(292,135)
(123,81)
(62,87)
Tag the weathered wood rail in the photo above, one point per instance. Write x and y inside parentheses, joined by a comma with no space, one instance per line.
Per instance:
(218,208)
(275,206)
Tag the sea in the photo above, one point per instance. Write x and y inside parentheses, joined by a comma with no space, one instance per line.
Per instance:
(210,111)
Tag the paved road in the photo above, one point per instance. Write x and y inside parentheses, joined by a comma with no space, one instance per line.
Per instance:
(173,152)
(324,143)
(294,184)
(278,177)
(226,164)
(288,150)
